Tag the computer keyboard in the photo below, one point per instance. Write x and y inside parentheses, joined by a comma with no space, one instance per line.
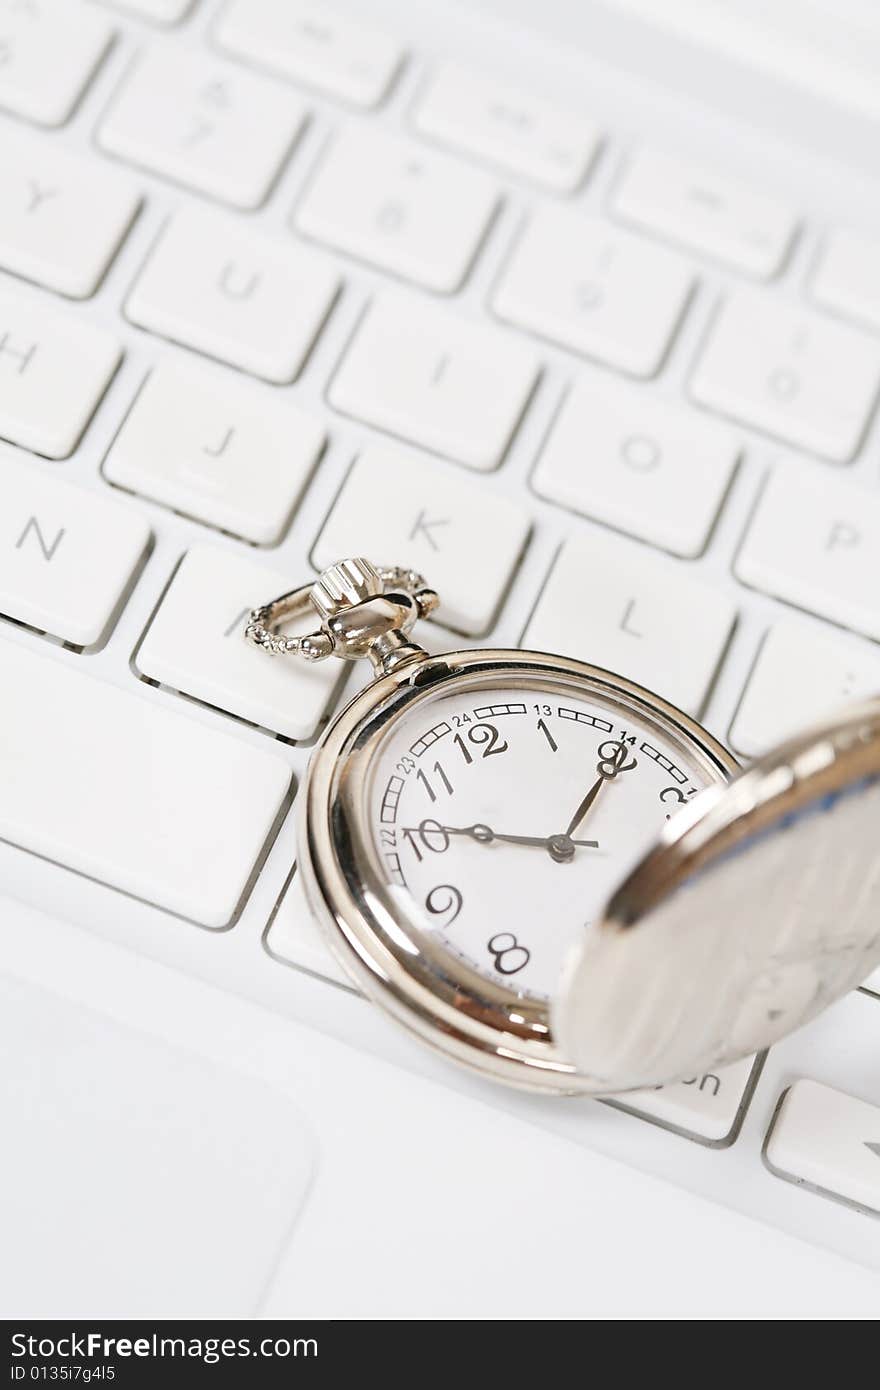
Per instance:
(281,284)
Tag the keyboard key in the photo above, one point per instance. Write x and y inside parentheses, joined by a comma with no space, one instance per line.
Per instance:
(464,538)
(815,542)
(705,211)
(229,455)
(203,123)
(158,11)
(597,291)
(478,115)
(803,378)
(67,556)
(646,466)
(388,201)
(708,1108)
(54,369)
(295,938)
(616,605)
(255,303)
(799,676)
(454,386)
(847,278)
(49,52)
(62,219)
(147,800)
(195,644)
(312,43)
(829,1142)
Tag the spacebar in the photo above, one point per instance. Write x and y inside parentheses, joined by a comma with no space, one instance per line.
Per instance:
(149,801)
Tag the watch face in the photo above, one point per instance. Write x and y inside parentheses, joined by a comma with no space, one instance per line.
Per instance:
(503,814)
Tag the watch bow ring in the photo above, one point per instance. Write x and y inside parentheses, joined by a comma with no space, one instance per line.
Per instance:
(363,610)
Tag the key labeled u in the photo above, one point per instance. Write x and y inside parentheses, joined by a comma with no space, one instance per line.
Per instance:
(237,283)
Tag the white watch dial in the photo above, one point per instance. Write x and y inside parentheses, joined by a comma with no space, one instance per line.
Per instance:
(509,815)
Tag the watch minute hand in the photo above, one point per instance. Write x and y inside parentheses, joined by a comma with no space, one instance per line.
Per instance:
(609,767)
(585,805)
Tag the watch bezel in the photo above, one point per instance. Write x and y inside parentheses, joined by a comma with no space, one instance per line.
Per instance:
(450,1006)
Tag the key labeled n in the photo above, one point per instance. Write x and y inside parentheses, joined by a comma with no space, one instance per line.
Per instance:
(47,545)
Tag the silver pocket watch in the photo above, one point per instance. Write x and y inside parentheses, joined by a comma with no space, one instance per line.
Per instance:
(555,877)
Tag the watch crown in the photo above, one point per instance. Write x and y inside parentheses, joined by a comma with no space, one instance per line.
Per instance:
(344,584)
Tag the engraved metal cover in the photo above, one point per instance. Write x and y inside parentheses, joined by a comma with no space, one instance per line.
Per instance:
(757,908)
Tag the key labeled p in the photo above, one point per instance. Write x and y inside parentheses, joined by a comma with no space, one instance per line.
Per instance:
(843,536)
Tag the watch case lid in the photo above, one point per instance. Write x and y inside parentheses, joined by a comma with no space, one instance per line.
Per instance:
(758,906)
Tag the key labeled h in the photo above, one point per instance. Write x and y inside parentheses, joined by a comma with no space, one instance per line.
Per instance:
(21,355)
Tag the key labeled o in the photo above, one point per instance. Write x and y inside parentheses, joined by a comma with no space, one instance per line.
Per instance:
(641,453)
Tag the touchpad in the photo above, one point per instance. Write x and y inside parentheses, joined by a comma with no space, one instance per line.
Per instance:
(136,1180)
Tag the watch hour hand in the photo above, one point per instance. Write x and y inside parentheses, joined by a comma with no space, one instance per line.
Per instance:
(558,845)
(545,841)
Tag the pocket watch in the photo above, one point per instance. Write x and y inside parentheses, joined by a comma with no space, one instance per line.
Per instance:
(554,876)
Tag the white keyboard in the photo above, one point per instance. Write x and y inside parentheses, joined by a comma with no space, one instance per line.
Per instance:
(281,282)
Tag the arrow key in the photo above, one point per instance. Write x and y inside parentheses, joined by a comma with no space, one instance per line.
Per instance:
(829,1142)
